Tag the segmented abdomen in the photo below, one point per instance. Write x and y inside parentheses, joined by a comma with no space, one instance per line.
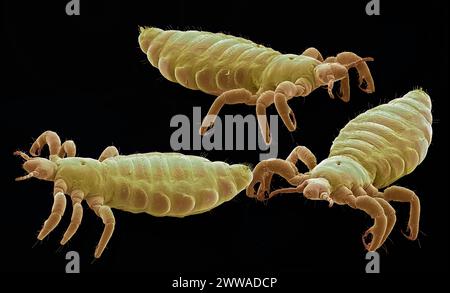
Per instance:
(171,184)
(390,140)
(211,62)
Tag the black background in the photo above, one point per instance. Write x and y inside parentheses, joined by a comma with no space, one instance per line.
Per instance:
(85,78)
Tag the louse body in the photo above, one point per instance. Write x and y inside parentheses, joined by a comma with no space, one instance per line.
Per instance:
(160,184)
(372,151)
(239,71)
(216,63)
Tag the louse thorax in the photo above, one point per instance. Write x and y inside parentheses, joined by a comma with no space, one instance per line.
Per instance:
(327,73)
(80,173)
(341,171)
(289,67)
(45,169)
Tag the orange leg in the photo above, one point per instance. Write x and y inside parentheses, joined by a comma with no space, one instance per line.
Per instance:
(372,207)
(285,91)
(107,216)
(236,96)
(263,173)
(350,60)
(390,215)
(401,194)
(109,152)
(264,101)
(313,53)
(388,209)
(67,148)
(77,214)
(49,138)
(344,89)
(58,208)
(303,154)
(53,141)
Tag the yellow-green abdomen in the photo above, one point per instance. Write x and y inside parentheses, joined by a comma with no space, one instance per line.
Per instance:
(211,62)
(390,140)
(171,184)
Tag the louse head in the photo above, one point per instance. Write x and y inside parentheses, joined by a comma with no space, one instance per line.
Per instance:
(37,167)
(327,73)
(316,188)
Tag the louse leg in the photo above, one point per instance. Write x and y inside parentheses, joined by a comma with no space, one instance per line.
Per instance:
(264,172)
(311,191)
(349,60)
(236,96)
(107,216)
(285,91)
(388,209)
(344,90)
(58,208)
(313,53)
(264,101)
(67,148)
(77,215)
(372,190)
(402,194)
(109,152)
(390,215)
(287,169)
(373,208)
(303,154)
(261,173)
(264,188)
(369,205)
(51,139)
